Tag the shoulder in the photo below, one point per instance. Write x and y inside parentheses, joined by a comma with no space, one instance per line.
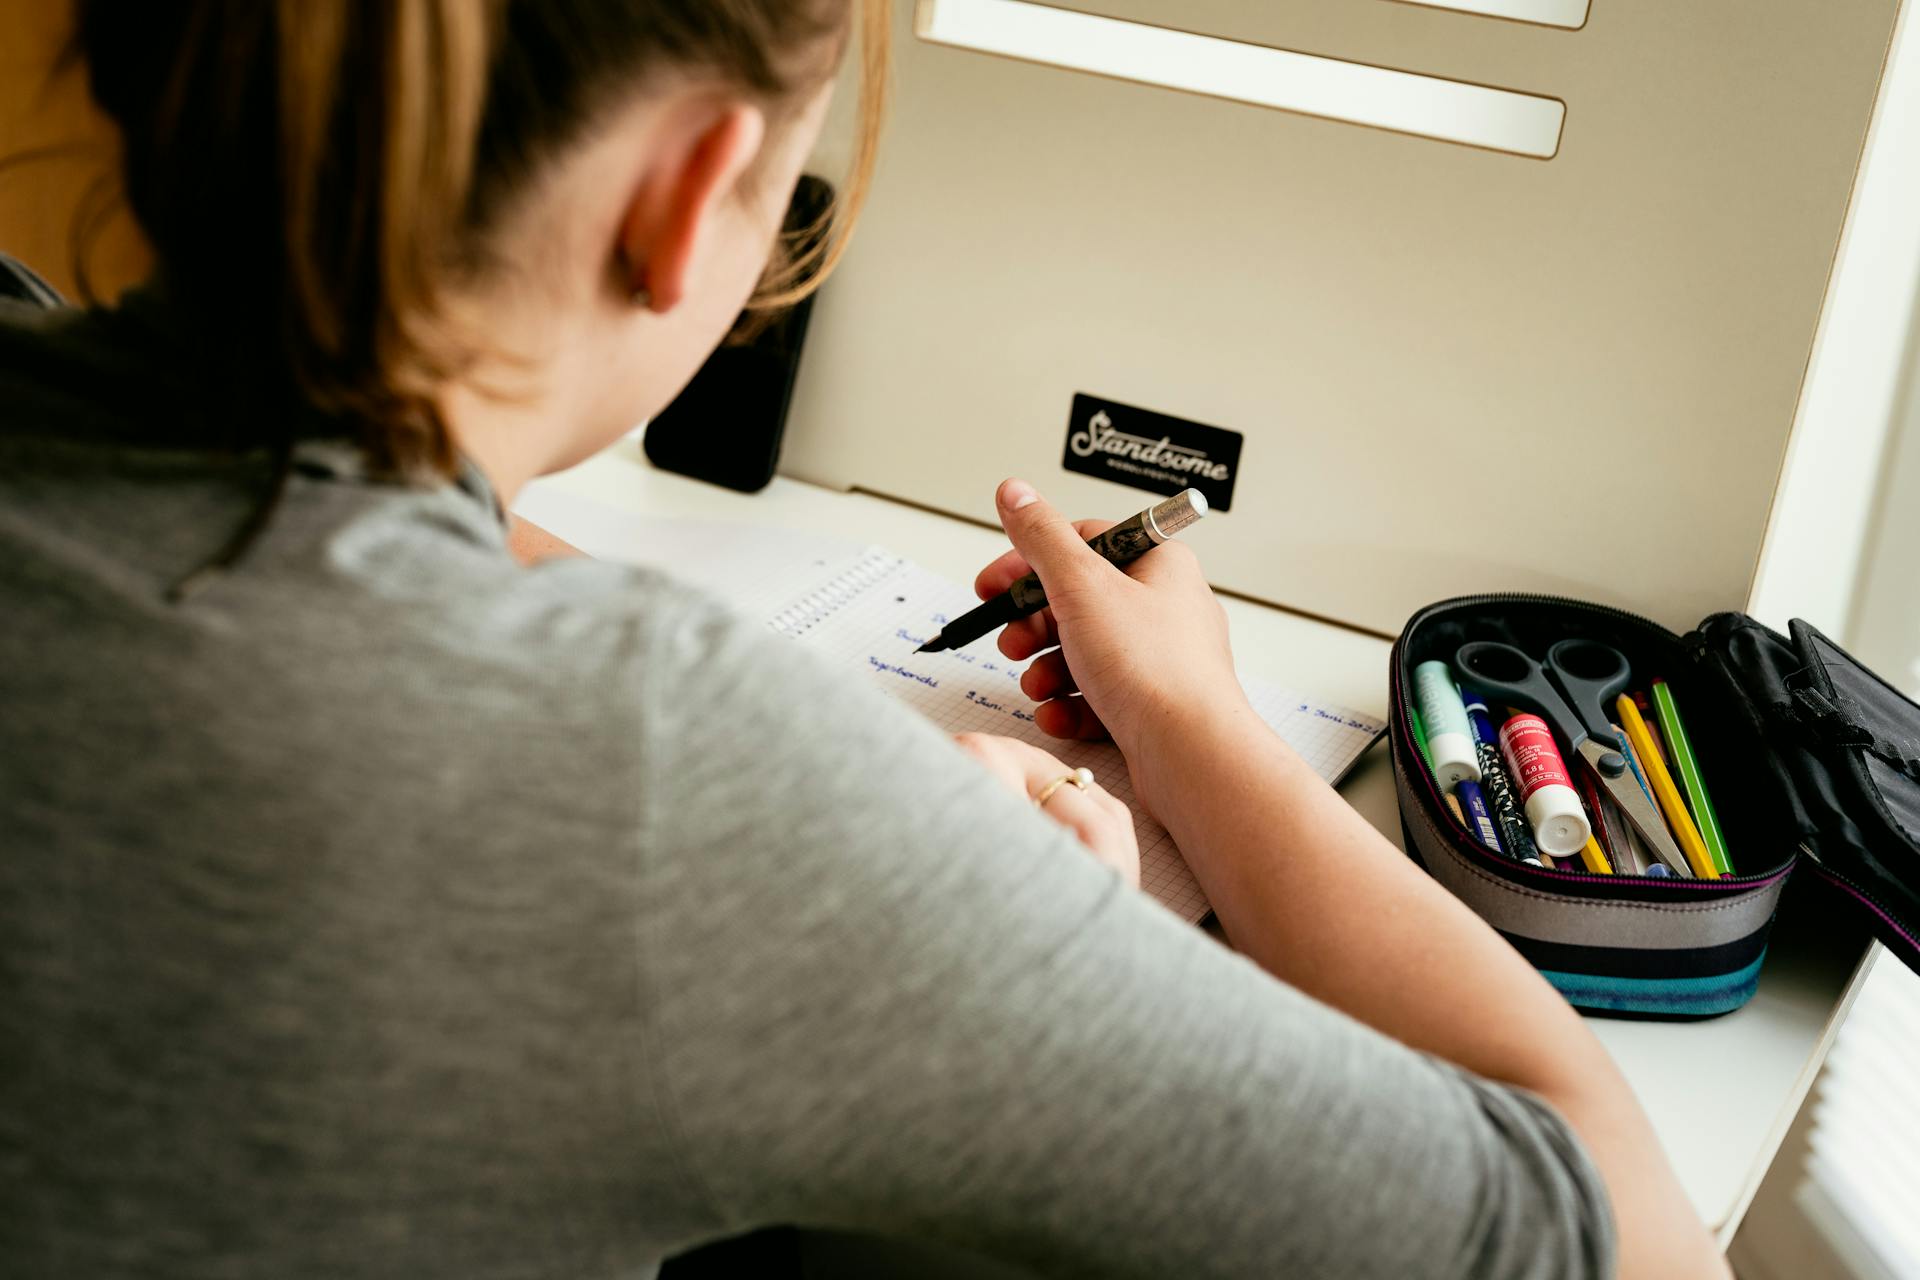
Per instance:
(744,695)
(715,692)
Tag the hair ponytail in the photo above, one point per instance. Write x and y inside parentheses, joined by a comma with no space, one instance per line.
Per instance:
(379,108)
(315,175)
(302,170)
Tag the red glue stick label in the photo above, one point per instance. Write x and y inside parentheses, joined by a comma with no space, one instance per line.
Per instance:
(1532,757)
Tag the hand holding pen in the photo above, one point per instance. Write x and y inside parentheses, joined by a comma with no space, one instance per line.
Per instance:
(1138,651)
(1118,544)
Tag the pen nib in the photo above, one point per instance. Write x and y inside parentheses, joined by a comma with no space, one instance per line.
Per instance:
(935,645)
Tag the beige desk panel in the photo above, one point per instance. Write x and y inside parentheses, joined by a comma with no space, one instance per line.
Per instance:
(1456,369)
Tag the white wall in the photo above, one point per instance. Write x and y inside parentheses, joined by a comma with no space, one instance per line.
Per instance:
(1822,533)
(1885,630)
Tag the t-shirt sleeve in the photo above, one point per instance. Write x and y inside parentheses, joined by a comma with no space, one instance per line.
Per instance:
(888,996)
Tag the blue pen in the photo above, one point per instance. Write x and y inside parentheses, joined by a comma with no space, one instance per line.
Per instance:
(1655,868)
(1515,840)
(1633,762)
(1474,804)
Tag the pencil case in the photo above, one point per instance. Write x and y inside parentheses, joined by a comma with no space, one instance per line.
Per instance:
(1813,765)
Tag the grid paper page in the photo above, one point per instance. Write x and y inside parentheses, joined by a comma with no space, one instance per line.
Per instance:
(878,608)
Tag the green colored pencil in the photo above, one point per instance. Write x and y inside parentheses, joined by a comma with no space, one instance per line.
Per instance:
(1681,748)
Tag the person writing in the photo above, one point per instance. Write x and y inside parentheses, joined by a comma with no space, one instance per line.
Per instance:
(374,905)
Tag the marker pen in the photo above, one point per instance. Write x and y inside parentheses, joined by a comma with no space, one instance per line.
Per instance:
(1515,840)
(1478,818)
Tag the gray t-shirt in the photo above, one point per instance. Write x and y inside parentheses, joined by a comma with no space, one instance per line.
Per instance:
(386,909)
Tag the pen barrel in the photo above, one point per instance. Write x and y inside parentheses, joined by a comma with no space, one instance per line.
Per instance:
(1027,596)
(1516,840)
(1168,518)
(991,616)
(1124,543)
(1479,818)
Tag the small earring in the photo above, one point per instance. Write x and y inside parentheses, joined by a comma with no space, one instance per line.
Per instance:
(635,274)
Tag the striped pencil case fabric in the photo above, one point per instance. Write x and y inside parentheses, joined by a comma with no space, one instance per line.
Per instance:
(1813,764)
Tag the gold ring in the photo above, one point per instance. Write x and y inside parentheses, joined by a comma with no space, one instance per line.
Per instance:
(1081,778)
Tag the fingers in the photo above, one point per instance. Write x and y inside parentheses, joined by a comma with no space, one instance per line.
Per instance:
(1027,636)
(1001,574)
(993,755)
(1045,538)
(1170,560)
(1101,822)
(1012,758)
(977,745)
(1048,677)
(1024,637)
(1069,718)
(1103,825)
(1011,565)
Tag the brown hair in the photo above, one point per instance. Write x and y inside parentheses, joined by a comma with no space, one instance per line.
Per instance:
(314,175)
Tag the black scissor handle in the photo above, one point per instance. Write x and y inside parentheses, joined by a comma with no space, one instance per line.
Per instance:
(1507,675)
(1592,674)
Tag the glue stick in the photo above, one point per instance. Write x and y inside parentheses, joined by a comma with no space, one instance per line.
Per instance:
(1553,807)
(1445,719)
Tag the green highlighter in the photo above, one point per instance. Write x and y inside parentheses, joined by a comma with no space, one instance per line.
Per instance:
(1420,737)
(1426,757)
(1689,770)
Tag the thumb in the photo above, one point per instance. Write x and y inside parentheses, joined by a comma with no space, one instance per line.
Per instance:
(1045,538)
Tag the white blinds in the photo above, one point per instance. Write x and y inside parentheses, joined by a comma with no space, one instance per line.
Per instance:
(1862,1186)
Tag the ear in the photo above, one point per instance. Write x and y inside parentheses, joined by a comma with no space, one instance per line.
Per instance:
(680,196)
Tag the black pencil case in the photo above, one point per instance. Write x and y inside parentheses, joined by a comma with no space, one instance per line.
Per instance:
(1814,765)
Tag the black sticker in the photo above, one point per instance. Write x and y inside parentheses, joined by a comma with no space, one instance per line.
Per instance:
(1151,451)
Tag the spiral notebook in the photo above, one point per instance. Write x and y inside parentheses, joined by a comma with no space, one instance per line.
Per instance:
(867,609)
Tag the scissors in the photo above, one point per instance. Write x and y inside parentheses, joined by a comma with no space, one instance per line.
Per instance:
(1571,691)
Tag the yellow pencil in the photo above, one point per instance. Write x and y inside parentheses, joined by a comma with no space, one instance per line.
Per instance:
(1596,861)
(1685,834)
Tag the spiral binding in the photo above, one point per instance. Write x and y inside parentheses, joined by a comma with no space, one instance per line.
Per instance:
(831,596)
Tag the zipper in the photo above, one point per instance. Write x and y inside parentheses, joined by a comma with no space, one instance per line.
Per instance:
(1908,951)
(1464,841)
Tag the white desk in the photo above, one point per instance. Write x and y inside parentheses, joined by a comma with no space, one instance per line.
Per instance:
(1720,1093)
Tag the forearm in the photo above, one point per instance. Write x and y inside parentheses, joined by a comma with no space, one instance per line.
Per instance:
(1309,890)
